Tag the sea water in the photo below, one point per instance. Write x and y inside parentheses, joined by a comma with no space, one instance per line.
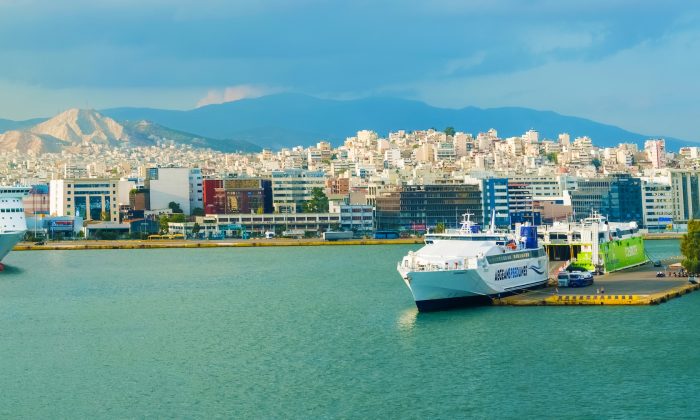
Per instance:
(318,332)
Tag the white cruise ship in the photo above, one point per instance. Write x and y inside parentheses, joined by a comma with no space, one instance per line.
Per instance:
(13,224)
(464,266)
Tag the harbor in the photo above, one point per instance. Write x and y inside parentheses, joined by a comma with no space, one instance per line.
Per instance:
(634,286)
(104,326)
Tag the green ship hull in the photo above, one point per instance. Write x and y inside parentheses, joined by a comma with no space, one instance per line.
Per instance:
(616,255)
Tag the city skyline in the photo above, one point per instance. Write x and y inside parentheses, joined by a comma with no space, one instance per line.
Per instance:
(627,64)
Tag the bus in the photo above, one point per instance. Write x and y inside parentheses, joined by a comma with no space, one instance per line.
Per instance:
(386,234)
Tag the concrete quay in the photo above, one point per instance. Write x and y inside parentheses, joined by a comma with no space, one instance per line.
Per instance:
(635,286)
(231,243)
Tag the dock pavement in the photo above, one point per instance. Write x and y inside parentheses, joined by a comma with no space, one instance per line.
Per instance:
(635,286)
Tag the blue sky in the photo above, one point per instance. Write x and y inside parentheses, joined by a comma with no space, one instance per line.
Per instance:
(629,63)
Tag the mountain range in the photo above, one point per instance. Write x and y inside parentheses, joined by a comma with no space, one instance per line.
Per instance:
(286,120)
(75,128)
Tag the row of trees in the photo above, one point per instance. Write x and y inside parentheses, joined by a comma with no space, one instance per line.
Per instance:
(690,247)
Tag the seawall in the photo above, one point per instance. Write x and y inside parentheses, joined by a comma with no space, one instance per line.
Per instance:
(160,244)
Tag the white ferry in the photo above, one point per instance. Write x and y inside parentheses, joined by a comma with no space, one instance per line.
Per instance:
(13,225)
(463,266)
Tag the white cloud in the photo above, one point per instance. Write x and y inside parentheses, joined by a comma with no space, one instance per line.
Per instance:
(235,93)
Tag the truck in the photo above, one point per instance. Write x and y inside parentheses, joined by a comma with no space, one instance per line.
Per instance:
(337,236)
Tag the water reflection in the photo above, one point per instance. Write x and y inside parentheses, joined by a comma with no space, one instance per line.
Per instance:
(12,270)
(407,319)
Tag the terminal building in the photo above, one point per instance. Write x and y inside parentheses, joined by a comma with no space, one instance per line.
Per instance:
(87,198)
(419,207)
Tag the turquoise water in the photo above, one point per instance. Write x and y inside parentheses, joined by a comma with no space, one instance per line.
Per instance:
(318,332)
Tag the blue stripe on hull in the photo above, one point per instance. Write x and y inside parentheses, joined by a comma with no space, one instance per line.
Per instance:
(449,303)
(461,302)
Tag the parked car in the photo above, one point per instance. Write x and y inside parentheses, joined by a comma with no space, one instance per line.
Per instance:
(574,279)
(660,274)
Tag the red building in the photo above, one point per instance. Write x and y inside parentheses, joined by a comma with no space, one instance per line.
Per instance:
(237,195)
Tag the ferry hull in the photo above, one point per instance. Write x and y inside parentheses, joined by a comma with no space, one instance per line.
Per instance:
(8,241)
(437,290)
(616,255)
(623,253)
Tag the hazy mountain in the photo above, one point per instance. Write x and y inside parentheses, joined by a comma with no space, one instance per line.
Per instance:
(78,127)
(7,125)
(149,131)
(71,128)
(291,119)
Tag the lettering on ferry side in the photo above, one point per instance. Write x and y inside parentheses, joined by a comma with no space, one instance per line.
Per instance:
(511,273)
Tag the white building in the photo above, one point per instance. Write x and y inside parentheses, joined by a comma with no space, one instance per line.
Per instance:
(292,187)
(657,203)
(685,185)
(89,198)
(656,152)
(180,185)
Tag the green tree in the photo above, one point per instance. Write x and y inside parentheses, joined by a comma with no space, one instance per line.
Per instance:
(552,157)
(690,247)
(440,228)
(198,211)
(165,219)
(318,202)
(175,207)
(450,131)
(196,228)
(596,162)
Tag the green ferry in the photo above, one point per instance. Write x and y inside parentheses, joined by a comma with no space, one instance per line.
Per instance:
(594,244)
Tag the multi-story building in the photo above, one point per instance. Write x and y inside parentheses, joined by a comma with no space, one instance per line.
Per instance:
(37,201)
(356,217)
(293,187)
(179,185)
(520,203)
(656,152)
(338,185)
(495,200)
(685,185)
(259,223)
(657,203)
(417,207)
(88,198)
(237,195)
(618,197)
(140,199)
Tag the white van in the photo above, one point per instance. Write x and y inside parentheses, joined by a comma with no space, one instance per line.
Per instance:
(269,235)
(574,279)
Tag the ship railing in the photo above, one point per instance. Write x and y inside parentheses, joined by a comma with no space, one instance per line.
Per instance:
(451,265)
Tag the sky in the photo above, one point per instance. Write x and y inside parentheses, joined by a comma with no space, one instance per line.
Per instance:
(633,64)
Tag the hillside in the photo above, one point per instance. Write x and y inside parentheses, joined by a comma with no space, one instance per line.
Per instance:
(78,127)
